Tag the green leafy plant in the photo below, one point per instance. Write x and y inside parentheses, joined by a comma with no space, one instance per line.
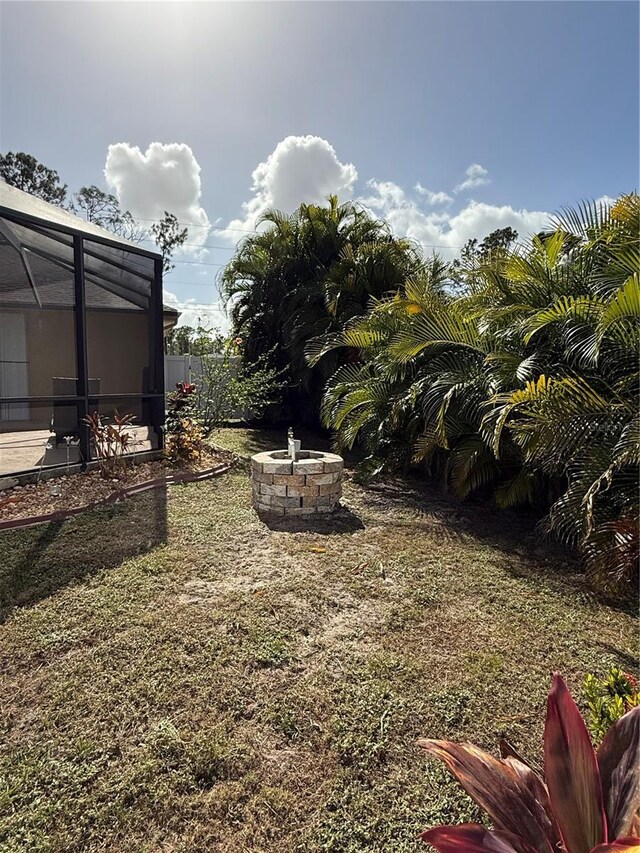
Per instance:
(231,388)
(306,274)
(522,379)
(112,441)
(183,432)
(587,803)
(609,698)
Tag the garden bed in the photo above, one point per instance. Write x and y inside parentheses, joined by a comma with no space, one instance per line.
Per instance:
(66,495)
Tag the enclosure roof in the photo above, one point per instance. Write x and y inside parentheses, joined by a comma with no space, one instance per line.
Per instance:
(17,202)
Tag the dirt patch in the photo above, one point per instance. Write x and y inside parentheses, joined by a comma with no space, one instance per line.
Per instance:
(87,487)
(200,591)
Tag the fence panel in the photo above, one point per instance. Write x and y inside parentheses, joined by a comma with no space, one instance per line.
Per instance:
(188,368)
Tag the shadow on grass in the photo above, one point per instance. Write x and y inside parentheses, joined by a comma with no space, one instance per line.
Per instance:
(247,441)
(628,659)
(37,561)
(342,520)
(506,529)
(523,551)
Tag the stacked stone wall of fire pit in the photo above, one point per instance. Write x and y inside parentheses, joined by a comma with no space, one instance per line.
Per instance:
(311,484)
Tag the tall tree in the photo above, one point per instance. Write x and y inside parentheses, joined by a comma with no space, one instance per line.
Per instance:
(304,276)
(465,269)
(187,340)
(169,236)
(26,173)
(104,209)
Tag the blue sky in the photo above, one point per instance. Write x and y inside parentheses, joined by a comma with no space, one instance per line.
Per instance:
(538,100)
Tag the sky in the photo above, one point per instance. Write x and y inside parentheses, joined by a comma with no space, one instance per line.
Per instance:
(448,119)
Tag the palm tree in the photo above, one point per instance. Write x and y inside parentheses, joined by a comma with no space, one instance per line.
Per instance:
(579,420)
(528,382)
(306,275)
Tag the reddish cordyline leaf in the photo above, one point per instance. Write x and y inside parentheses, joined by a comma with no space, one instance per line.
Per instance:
(572,773)
(506,790)
(473,838)
(530,780)
(508,750)
(620,845)
(619,764)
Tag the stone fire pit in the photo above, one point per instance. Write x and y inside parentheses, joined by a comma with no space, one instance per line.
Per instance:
(310,484)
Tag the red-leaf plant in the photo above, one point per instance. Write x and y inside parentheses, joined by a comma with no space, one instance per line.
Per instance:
(588,802)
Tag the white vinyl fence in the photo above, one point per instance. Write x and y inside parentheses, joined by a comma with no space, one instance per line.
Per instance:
(188,368)
(181,368)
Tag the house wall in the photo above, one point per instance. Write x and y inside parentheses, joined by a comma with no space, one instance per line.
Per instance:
(117,350)
(51,349)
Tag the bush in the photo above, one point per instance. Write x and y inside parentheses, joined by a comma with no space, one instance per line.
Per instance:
(183,430)
(111,441)
(608,699)
(584,800)
(229,388)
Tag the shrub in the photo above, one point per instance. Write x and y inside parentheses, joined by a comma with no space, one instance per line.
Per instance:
(111,441)
(588,802)
(183,431)
(609,698)
(230,388)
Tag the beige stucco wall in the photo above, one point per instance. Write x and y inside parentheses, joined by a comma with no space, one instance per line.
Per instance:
(118,351)
(117,348)
(51,349)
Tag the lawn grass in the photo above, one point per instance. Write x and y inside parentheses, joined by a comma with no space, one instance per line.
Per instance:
(178,676)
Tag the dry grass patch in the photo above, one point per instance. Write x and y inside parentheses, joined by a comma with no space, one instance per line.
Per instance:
(177,676)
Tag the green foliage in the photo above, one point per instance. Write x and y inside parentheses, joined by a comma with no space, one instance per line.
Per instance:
(306,275)
(23,171)
(474,254)
(268,649)
(608,699)
(360,728)
(182,428)
(523,379)
(230,387)
(26,173)
(104,209)
(186,340)
(169,236)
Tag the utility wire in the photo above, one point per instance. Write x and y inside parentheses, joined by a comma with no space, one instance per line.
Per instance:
(198,263)
(196,245)
(210,306)
(254,231)
(199,225)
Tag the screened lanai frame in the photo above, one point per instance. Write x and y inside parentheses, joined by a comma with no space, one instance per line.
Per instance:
(106,283)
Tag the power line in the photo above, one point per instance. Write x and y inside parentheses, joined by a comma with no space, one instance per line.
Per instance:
(191,283)
(198,263)
(232,249)
(196,245)
(210,306)
(199,225)
(254,231)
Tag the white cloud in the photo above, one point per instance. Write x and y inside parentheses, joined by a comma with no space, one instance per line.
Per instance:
(476,176)
(606,200)
(431,197)
(307,169)
(193,313)
(301,169)
(444,231)
(164,177)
